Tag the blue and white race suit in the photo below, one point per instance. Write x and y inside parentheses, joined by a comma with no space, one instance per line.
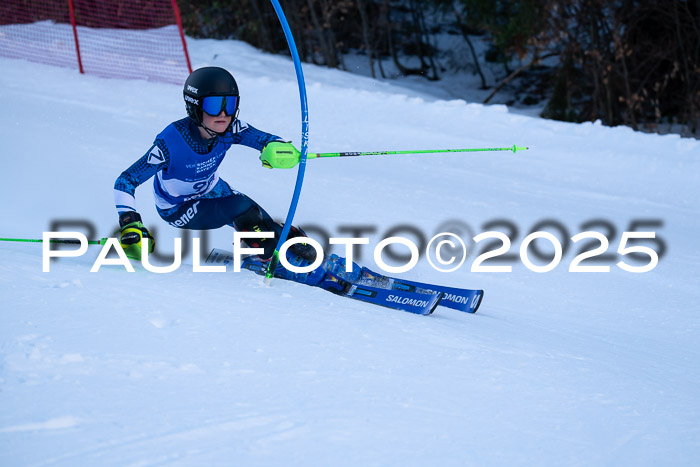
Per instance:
(187,188)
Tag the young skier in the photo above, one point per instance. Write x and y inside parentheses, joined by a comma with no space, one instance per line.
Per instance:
(189,194)
(183,161)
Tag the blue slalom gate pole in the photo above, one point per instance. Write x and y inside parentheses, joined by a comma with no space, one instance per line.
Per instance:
(304,137)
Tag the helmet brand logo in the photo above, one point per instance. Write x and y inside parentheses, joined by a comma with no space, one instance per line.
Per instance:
(192,100)
(192,89)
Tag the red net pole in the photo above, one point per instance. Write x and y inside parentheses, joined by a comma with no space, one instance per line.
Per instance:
(75,35)
(178,19)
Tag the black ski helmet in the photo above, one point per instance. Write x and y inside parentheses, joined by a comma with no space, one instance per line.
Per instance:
(203,82)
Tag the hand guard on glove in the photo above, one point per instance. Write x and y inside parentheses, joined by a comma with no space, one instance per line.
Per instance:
(131,233)
(279,155)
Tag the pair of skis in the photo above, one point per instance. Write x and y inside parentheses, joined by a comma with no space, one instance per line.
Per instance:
(413,297)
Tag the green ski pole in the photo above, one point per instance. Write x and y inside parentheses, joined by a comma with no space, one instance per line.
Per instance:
(290,159)
(514,148)
(56,240)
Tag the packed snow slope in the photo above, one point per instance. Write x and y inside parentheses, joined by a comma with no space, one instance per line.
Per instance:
(557,368)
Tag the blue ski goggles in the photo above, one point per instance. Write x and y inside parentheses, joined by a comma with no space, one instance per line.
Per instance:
(213,105)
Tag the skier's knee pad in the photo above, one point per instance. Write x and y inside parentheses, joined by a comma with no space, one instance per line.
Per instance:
(254,220)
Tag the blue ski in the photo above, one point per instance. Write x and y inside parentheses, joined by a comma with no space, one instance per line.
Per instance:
(413,302)
(422,303)
(467,300)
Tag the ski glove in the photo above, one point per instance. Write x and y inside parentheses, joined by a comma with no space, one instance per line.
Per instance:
(279,155)
(131,233)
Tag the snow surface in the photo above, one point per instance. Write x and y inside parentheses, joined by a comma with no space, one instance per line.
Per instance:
(558,368)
